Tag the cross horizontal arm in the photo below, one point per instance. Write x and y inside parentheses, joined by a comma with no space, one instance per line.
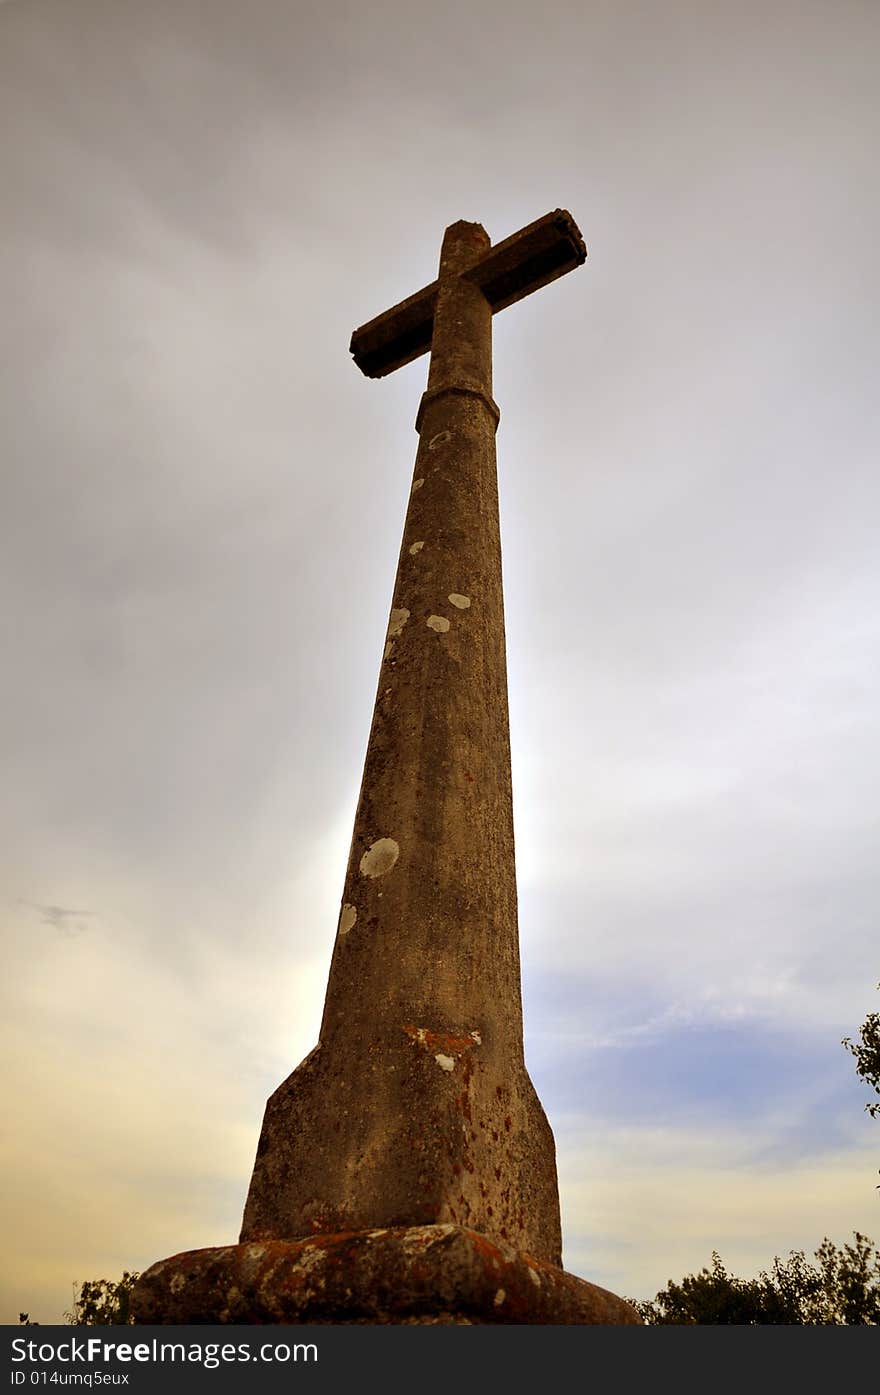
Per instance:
(530,259)
(397,336)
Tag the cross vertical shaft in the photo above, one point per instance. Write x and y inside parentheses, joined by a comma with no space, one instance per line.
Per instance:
(416,1106)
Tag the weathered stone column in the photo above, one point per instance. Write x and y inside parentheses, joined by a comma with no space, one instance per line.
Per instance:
(416,1106)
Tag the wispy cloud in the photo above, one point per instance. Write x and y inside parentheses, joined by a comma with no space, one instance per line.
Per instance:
(643,1205)
(64,919)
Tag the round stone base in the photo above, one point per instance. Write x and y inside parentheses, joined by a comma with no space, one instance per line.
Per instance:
(405,1275)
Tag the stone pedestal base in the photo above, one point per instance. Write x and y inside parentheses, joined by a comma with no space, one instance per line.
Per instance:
(403,1275)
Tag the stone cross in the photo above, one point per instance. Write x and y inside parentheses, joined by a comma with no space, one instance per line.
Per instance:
(416,1107)
(409,1154)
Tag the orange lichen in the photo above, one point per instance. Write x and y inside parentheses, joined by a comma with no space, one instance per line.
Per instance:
(449,1043)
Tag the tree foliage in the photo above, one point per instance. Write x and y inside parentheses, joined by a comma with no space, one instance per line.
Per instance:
(867,1054)
(100,1303)
(842,1289)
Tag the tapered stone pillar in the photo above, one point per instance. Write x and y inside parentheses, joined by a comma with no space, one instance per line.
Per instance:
(407,1162)
(416,1107)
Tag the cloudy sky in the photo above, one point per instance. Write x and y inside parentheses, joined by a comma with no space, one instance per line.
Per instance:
(202,506)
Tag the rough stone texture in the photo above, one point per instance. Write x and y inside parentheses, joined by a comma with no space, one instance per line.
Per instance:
(416,1275)
(416,1106)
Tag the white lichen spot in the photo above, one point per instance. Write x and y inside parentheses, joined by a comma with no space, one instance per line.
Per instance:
(417,484)
(475,1036)
(388,648)
(438,623)
(419,1238)
(416,547)
(177,1283)
(500,1297)
(535,1277)
(347,918)
(460,602)
(380,857)
(445,1062)
(397,621)
(439,440)
(310,1257)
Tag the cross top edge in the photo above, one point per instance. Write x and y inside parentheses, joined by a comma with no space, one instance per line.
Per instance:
(463,244)
(462,226)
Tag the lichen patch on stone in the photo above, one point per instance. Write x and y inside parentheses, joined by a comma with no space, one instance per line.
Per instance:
(397,621)
(347,918)
(438,623)
(445,1062)
(500,1297)
(417,484)
(460,602)
(448,1044)
(312,1257)
(416,547)
(380,857)
(439,440)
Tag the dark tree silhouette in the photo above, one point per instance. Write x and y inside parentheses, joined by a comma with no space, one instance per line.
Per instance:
(100,1303)
(867,1054)
(842,1289)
